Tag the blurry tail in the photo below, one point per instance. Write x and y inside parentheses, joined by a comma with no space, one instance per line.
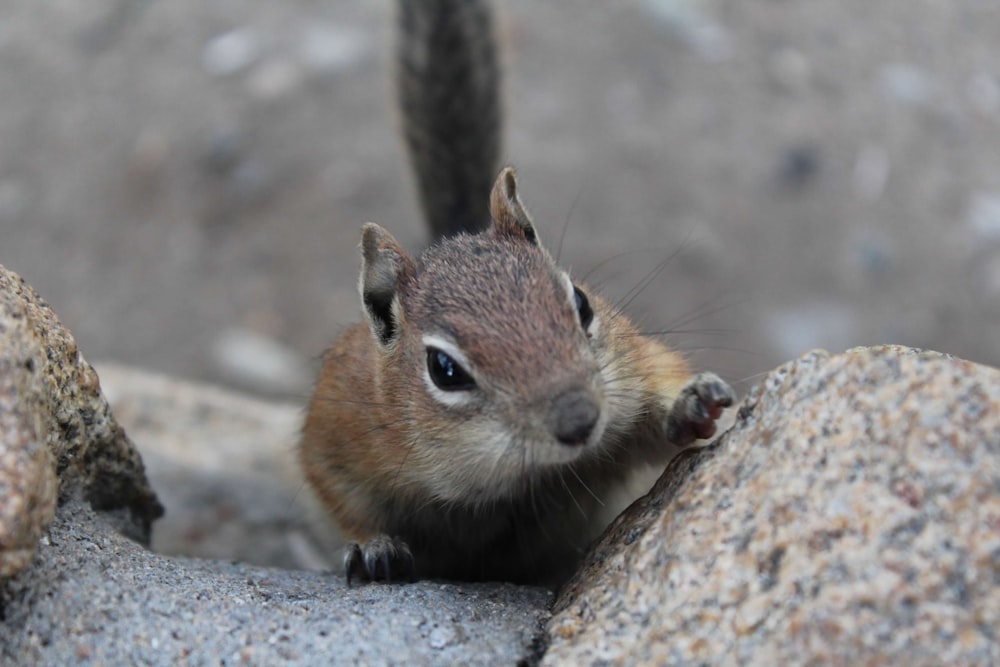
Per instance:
(448,80)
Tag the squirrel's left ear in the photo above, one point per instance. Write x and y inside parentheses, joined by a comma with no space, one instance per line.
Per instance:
(508,213)
(384,268)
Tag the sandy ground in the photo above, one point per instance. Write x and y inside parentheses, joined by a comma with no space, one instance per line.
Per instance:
(804,174)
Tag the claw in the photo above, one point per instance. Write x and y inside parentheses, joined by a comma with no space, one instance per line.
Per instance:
(353,561)
(699,404)
(381,558)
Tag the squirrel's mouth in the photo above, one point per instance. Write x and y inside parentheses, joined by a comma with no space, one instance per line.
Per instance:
(494,464)
(569,446)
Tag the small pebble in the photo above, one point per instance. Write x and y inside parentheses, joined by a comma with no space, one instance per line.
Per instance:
(328,49)
(689,20)
(275,79)
(799,166)
(441,637)
(231,52)
(906,84)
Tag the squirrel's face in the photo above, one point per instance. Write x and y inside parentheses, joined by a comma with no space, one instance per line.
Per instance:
(501,363)
(497,359)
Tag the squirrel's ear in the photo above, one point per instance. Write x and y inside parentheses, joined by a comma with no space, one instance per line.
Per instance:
(384,267)
(509,214)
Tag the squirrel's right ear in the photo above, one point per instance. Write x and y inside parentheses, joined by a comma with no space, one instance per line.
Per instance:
(508,213)
(384,268)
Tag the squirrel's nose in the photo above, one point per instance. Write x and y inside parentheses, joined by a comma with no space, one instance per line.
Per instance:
(573,416)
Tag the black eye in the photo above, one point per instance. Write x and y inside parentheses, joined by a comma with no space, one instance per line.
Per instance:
(446,372)
(583,307)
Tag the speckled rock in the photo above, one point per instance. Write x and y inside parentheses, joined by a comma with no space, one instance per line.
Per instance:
(851,516)
(57,435)
(27,473)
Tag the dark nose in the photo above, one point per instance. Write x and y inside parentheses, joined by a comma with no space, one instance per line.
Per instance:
(573,416)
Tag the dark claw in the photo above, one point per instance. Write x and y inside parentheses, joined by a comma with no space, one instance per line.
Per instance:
(386,570)
(699,404)
(380,559)
(353,562)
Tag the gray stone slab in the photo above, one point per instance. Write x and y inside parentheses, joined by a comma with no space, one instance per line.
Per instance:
(96,597)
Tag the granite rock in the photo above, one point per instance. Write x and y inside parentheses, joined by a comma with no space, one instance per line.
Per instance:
(851,516)
(27,473)
(57,435)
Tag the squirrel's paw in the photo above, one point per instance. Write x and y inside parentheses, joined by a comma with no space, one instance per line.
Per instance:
(700,403)
(380,558)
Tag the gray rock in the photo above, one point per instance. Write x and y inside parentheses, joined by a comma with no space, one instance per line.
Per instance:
(55,424)
(851,516)
(96,597)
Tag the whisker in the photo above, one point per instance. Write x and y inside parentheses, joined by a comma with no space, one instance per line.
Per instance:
(569,217)
(572,497)
(349,401)
(648,279)
(586,488)
(668,332)
(719,348)
(406,457)
(616,257)
(704,311)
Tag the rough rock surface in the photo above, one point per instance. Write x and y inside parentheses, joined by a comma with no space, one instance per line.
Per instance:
(27,475)
(851,516)
(52,412)
(94,597)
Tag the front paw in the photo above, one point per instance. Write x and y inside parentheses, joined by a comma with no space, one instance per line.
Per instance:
(381,558)
(700,403)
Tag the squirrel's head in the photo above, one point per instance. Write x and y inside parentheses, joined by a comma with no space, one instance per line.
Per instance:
(497,360)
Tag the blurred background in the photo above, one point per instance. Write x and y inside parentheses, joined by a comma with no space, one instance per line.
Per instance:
(184,181)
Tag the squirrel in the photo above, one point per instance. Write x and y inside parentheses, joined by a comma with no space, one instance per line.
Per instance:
(472,426)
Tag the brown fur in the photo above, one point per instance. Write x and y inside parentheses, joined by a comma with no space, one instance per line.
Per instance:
(386,457)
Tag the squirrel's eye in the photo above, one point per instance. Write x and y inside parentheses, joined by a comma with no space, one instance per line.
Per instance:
(446,372)
(583,307)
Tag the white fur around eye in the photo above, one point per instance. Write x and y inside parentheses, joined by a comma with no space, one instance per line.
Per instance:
(449,398)
(570,294)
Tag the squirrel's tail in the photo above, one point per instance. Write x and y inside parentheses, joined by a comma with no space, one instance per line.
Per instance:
(448,80)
